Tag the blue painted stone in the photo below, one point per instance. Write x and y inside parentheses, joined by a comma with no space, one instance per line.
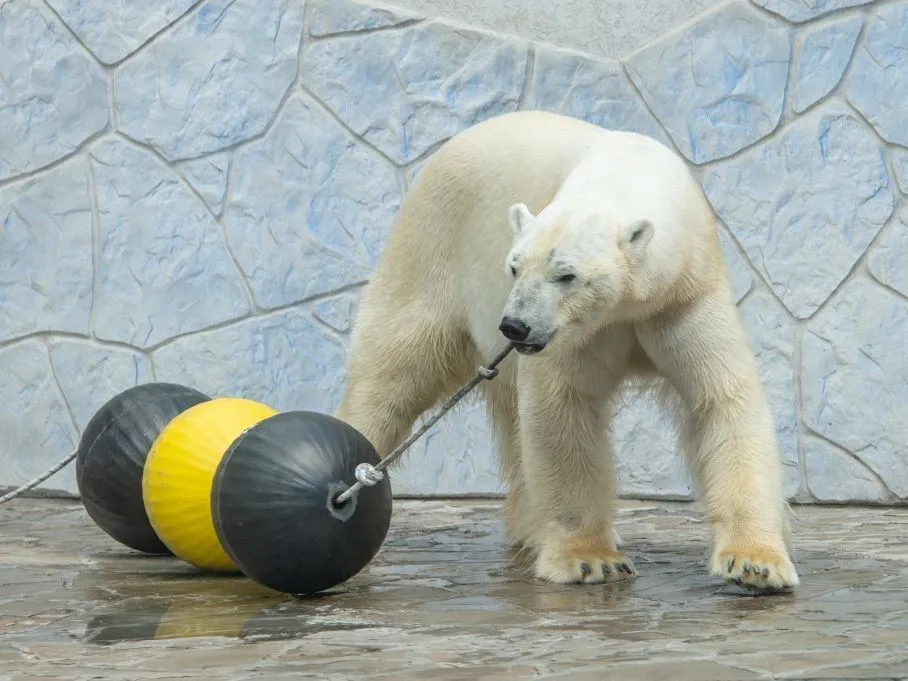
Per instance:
(208,176)
(39,431)
(772,333)
(855,379)
(900,167)
(646,447)
(805,10)
(213,81)
(114,30)
(89,374)
(52,95)
(888,261)
(285,360)
(718,85)
(164,269)
(595,91)
(414,170)
(45,256)
(647,459)
(406,91)
(833,475)
(742,280)
(879,77)
(310,208)
(806,205)
(456,455)
(338,312)
(821,61)
(347,16)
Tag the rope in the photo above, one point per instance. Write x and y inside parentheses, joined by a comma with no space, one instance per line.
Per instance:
(37,481)
(368,475)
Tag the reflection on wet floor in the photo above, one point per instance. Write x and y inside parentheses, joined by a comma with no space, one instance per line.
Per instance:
(446,599)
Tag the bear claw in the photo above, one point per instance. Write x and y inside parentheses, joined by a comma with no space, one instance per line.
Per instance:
(755,569)
(597,566)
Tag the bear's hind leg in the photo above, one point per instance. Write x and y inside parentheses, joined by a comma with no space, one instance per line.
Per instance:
(401,363)
(729,438)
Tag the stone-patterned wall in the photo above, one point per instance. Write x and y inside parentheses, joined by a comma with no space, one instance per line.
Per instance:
(197,191)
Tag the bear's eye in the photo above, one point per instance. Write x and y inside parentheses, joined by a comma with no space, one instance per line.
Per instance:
(565,278)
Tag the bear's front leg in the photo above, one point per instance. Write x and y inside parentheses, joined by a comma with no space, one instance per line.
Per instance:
(568,471)
(729,439)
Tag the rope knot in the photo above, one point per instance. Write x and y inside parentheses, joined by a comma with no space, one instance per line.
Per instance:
(486,373)
(367,474)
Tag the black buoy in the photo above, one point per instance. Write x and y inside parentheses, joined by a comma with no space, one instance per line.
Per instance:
(272,503)
(111,457)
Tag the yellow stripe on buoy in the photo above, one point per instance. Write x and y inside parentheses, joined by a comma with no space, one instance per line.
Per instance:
(178,474)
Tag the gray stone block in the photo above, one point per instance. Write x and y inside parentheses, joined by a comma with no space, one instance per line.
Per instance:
(89,374)
(741,279)
(855,380)
(310,208)
(888,261)
(208,176)
(164,269)
(37,430)
(647,459)
(717,85)
(330,17)
(114,30)
(456,456)
(805,10)
(595,91)
(285,360)
(825,52)
(833,475)
(214,81)
(45,257)
(879,78)
(806,205)
(406,91)
(53,97)
(900,167)
(338,312)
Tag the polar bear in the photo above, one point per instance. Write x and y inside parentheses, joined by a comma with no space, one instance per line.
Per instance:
(595,253)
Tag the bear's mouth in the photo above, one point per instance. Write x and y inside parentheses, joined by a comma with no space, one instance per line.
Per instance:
(529,348)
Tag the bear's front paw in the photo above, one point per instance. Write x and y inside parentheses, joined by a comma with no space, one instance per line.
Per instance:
(583,565)
(755,569)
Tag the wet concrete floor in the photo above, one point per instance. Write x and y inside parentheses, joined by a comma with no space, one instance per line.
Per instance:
(444,601)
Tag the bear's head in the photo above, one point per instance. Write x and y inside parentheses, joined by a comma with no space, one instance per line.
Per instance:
(571,270)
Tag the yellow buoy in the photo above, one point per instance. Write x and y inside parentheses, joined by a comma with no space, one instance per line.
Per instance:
(179,470)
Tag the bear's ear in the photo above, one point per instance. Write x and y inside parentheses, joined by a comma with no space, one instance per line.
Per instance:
(637,234)
(519,216)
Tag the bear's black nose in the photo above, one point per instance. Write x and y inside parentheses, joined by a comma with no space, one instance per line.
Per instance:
(514,329)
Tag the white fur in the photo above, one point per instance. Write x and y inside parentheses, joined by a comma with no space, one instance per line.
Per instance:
(552,196)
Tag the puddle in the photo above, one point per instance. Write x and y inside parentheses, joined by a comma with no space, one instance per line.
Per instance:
(159,620)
